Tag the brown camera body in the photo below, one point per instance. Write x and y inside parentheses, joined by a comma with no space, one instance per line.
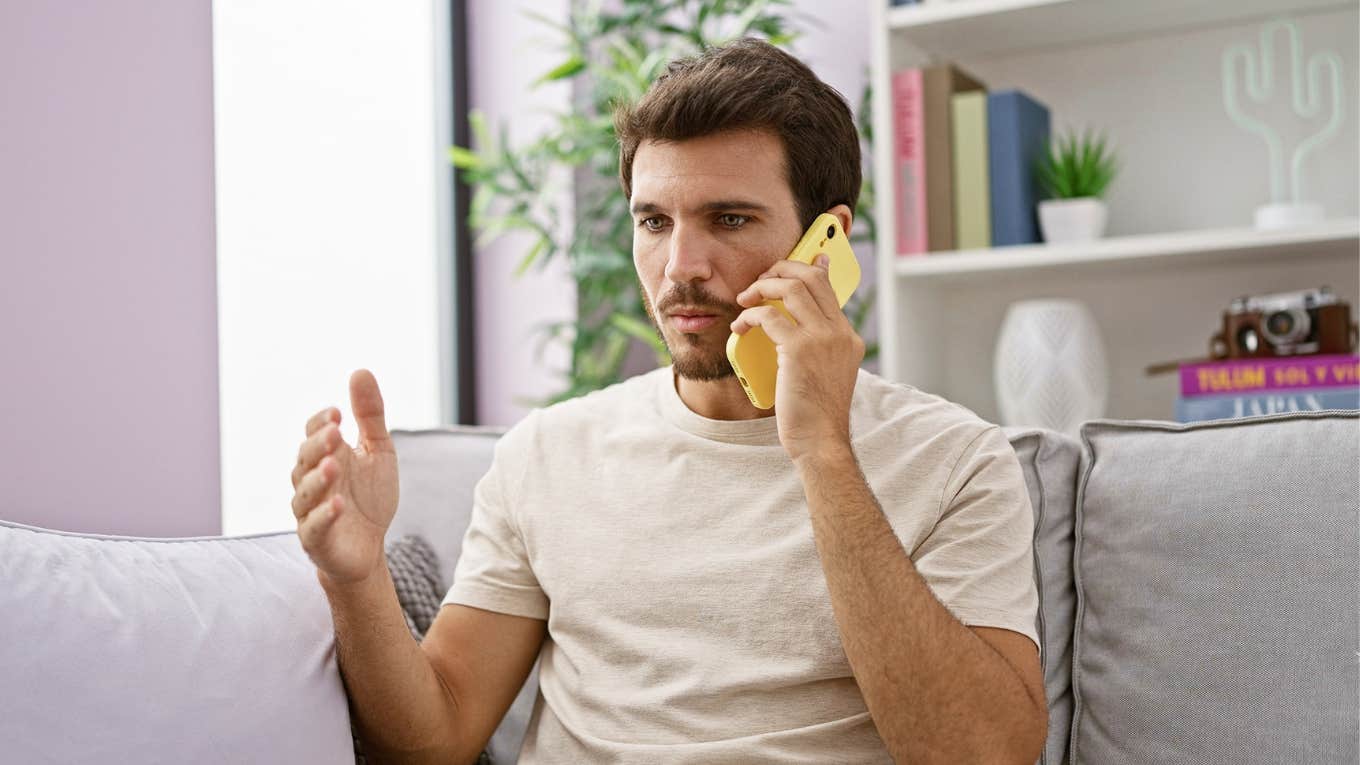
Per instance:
(1288,324)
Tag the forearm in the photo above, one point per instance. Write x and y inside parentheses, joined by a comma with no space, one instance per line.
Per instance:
(936,691)
(402,710)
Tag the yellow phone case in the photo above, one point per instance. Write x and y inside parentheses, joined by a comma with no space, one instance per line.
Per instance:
(753,354)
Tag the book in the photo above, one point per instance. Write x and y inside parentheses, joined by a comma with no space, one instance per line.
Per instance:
(1260,375)
(938,84)
(923,159)
(909,162)
(972,202)
(1219,407)
(1017,134)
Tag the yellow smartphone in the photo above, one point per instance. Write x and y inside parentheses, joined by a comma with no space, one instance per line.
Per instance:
(753,354)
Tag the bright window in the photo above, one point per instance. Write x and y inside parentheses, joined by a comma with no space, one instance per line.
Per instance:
(332,230)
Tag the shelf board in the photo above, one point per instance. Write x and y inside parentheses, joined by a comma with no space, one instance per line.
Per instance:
(960,28)
(1177,249)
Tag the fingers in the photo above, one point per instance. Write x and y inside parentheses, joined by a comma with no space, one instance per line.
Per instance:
(316,446)
(329,414)
(815,279)
(794,294)
(777,325)
(367,402)
(315,485)
(313,525)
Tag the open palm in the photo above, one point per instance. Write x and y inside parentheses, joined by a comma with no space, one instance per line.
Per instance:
(347,496)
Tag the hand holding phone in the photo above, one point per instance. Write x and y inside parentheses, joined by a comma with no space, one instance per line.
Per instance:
(753,355)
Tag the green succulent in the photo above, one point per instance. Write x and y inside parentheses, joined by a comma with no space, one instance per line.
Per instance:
(1073,167)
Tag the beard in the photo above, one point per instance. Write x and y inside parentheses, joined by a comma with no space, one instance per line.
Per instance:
(699,356)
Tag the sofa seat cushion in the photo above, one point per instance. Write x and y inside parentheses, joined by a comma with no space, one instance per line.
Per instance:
(1216,585)
(118,649)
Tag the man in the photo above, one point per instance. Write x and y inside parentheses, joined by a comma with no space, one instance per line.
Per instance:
(845,579)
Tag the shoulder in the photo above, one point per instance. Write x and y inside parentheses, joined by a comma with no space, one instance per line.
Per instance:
(905,414)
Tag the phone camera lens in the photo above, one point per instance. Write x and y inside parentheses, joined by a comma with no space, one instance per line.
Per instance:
(830,232)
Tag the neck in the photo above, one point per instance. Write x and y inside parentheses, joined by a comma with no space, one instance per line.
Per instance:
(718,399)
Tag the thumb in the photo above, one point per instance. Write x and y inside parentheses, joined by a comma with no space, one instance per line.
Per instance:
(366,401)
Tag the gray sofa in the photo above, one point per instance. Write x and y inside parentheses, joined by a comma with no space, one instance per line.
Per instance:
(1198,588)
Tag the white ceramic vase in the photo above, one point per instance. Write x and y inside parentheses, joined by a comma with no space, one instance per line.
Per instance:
(1049,367)
(1072,220)
(1288,214)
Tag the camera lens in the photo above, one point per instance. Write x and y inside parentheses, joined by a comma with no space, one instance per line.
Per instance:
(1279,323)
(830,232)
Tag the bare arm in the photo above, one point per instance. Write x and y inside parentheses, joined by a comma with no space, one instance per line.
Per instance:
(438,701)
(433,702)
(937,690)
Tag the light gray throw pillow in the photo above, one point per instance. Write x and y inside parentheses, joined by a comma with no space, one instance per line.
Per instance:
(1216,572)
(119,649)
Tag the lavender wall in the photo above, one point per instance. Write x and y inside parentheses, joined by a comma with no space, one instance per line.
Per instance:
(107,267)
(506,53)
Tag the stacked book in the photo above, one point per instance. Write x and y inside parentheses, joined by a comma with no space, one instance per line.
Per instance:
(963,162)
(1216,390)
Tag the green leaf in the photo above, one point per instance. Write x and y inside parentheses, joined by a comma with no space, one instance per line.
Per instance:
(531,256)
(569,68)
(465,159)
(480,132)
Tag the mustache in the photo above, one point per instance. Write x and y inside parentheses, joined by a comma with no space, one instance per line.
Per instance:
(693,295)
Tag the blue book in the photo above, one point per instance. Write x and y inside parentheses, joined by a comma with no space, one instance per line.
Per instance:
(1017,134)
(1199,408)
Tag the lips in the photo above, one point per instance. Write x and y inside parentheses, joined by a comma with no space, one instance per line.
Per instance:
(693,322)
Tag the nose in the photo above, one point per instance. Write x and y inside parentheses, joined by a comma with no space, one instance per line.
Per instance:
(690,255)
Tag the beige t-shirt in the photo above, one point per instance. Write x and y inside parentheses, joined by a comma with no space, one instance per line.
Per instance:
(673,558)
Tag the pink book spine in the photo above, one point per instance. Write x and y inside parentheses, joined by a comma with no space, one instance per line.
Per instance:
(909,161)
(1282,373)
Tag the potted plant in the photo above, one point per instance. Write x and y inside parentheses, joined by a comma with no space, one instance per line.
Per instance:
(1073,173)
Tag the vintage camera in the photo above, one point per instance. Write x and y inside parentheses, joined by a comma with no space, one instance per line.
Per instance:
(1298,323)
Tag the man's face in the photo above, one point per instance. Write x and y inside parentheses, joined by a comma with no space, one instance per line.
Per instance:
(710,214)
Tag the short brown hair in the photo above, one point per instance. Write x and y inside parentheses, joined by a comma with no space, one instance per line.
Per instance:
(750,84)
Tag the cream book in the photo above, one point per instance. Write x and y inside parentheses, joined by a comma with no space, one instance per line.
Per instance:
(972,189)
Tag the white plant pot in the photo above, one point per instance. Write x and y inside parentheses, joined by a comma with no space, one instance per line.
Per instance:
(1049,367)
(1072,220)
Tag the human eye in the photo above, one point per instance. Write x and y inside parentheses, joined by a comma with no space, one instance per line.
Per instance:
(653,223)
(733,220)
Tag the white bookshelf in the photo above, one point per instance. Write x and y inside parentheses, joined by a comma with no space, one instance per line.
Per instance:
(1179,246)
(969,28)
(1155,252)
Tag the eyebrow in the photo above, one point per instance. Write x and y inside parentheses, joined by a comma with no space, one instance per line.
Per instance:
(714,206)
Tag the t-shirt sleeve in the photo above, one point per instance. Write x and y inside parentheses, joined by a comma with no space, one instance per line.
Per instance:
(493,571)
(979,558)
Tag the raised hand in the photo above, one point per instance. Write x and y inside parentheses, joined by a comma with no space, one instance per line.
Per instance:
(344,498)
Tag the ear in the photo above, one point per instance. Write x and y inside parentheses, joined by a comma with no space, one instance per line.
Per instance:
(846,216)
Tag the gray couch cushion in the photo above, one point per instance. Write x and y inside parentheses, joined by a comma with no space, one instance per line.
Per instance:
(437,470)
(119,649)
(1216,577)
(1050,461)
